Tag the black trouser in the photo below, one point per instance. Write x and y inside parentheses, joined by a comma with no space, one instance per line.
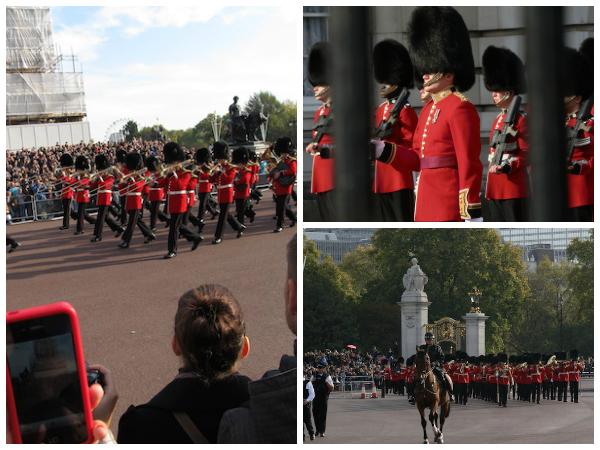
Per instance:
(240,209)
(307,416)
(510,210)
(176,228)
(281,205)
(535,392)
(582,213)
(135,219)
(10,241)
(66,203)
(562,391)
(325,205)
(80,216)
(156,213)
(123,199)
(224,214)
(574,390)
(202,204)
(104,216)
(398,206)
(553,389)
(320,413)
(503,390)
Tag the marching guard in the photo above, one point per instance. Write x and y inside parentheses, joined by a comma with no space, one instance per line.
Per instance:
(446,152)
(103,182)
(241,184)
(82,192)
(395,121)
(156,194)
(202,158)
(507,187)
(66,190)
(283,177)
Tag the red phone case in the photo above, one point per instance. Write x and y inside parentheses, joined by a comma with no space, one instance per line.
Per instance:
(45,311)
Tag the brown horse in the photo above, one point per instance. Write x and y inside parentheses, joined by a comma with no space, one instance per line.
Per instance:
(429,393)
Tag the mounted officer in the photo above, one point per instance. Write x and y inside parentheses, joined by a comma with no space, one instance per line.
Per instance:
(436,357)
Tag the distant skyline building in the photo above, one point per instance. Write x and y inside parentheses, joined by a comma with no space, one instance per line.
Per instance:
(337,242)
(537,243)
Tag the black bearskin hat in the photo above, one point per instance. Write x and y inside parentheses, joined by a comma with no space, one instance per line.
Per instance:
(202,156)
(101,162)
(173,153)
(392,64)
(587,50)
(66,160)
(503,70)
(319,64)
(121,156)
(439,42)
(134,161)
(252,156)
(573,354)
(561,356)
(221,150)
(239,155)
(578,74)
(82,163)
(152,163)
(283,145)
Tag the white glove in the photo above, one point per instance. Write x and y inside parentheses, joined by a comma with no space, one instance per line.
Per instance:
(378,146)
(478,219)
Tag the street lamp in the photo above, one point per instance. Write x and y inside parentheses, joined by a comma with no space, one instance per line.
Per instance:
(475,296)
(560,291)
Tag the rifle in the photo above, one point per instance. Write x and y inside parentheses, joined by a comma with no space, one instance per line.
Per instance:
(583,115)
(323,126)
(385,128)
(500,136)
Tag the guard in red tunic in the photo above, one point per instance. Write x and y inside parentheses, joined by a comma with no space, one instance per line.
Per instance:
(82,191)
(322,146)
(507,187)
(578,87)
(223,177)
(395,122)
(283,177)
(536,378)
(66,191)
(121,156)
(241,184)
(205,186)
(103,182)
(176,180)
(135,182)
(446,151)
(255,193)
(156,192)
(575,367)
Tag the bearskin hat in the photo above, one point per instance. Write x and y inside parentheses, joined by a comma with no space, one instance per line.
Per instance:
(587,50)
(578,74)
(101,162)
(561,356)
(319,64)
(573,354)
(239,155)
(401,360)
(82,163)
(503,70)
(252,156)
(173,153)
(221,150)
(121,156)
(134,161)
(152,163)
(392,64)
(66,160)
(283,145)
(439,42)
(202,156)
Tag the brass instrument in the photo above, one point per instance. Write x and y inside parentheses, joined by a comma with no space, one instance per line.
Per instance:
(172,167)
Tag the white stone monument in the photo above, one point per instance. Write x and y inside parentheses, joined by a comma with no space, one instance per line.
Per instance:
(475,324)
(414,308)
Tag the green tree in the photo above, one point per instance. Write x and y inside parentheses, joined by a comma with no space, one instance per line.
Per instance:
(282,115)
(130,130)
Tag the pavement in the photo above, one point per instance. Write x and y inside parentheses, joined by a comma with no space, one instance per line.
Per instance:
(126,299)
(393,421)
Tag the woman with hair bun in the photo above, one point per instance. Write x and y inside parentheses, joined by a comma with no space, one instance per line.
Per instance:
(210,339)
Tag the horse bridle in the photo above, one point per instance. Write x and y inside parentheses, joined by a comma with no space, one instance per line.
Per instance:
(424,375)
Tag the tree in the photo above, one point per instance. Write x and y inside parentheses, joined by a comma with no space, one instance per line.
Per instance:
(282,115)
(130,130)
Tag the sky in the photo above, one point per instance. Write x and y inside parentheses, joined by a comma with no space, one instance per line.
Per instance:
(174,65)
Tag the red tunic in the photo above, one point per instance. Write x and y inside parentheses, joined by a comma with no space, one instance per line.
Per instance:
(387,178)
(134,191)
(204,184)
(291,171)
(536,376)
(255,167)
(581,187)
(191,188)
(224,181)
(447,155)
(83,193)
(104,190)
(67,192)
(123,184)
(504,377)
(241,184)
(323,170)
(177,191)
(504,186)
(157,191)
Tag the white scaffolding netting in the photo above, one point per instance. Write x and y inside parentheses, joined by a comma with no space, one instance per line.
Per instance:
(29,43)
(59,93)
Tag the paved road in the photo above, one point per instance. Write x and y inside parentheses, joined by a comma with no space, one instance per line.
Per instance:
(126,299)
(393,421)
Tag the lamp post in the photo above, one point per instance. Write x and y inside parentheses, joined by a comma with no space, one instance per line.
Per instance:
(560,291)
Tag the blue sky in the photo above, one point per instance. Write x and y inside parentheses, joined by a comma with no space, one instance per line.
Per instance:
(176,64)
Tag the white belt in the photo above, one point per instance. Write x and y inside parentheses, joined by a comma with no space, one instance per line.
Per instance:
(224,186)
(574,373)
(156,189)
(82,190)
(190,192)
(134,193)
(203,181)
(104,192)
(177,192)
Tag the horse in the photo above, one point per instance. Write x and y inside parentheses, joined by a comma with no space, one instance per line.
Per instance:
(429,393)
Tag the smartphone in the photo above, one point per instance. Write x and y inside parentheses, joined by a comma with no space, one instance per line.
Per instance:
(47,391)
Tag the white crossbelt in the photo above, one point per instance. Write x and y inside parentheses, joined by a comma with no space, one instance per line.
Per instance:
(177,192)
(224,186)
(105,192)
(156,189)
(203,181)
(134,193)
(82,190)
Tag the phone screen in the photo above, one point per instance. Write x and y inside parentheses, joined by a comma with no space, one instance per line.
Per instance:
(45,380)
